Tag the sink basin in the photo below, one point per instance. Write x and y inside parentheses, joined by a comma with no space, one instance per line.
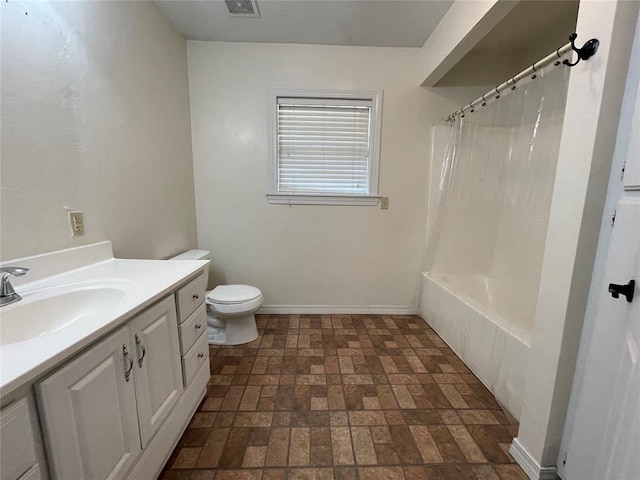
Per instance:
(42,313)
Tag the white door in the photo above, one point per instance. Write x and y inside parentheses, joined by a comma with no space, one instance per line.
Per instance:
(158,373)
(604,442)
(88,409)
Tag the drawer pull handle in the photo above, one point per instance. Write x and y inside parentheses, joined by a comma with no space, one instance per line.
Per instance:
(144,351)
(198,326)
(201,355)
(126,355)
(196,296)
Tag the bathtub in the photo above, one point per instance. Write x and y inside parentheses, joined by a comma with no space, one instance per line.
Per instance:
(485,326)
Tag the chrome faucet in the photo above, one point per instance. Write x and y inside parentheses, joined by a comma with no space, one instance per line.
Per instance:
(7,293)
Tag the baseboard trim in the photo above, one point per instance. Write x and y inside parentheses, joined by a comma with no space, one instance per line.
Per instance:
(533,470)
(344,309)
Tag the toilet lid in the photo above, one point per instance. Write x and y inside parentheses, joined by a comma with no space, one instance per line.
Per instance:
(233,294)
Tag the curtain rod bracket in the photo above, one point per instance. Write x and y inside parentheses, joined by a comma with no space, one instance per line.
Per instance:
(587,51)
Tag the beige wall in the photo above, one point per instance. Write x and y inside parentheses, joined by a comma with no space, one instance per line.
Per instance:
(310,255)
(95,117)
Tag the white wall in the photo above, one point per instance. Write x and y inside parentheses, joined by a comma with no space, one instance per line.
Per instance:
(95,117)
(310,255)
(588,138)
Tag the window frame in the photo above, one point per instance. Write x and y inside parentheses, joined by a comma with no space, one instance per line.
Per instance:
(375,128)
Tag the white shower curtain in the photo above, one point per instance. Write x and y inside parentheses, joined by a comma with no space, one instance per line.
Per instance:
(495,193)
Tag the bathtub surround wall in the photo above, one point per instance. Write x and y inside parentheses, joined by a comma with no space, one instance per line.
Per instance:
(311,258)
(95,117)
(484,257)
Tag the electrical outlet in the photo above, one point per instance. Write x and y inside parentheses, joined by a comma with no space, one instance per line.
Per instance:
(77,223)
(384,203)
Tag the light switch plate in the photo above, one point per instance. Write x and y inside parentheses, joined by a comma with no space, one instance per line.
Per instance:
(384,203)
(77,223)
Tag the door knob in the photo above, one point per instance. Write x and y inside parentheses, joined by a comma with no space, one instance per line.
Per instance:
(627,290)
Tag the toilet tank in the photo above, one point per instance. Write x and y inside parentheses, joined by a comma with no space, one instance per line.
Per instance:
(196,255)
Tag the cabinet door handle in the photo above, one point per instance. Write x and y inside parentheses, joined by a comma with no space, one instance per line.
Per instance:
(198,326)
(126,355)
(141,347)
(196,296)
(201,355)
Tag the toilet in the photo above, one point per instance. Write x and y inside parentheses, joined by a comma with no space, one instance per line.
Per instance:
(230,308)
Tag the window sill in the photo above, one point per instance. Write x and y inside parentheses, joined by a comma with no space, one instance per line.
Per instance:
(291,199)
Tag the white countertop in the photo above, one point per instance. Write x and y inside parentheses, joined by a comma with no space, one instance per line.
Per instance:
(144,281)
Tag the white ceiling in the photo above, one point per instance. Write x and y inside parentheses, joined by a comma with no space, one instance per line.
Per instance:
(376,23)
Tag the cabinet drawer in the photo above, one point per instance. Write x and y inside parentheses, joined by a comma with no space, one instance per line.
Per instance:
(17,445)
(198,355)
(192,328)
(190,297)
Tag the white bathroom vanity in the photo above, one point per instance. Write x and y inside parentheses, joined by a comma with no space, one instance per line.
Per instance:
(103,363)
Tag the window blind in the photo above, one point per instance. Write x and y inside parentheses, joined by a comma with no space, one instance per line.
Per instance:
(323,146)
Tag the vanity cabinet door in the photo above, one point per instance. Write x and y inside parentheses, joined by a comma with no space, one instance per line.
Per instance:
(19,440)
(157,365)
(88,409)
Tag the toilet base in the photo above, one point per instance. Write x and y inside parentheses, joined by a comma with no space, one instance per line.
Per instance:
(238,331)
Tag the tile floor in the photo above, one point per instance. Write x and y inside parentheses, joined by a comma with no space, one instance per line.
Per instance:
(367,397)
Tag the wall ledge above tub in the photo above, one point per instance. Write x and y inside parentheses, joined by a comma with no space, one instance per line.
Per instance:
(298,199)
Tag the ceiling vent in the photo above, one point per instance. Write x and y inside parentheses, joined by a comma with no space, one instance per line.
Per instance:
(242,8)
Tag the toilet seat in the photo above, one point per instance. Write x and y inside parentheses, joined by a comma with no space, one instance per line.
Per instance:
(232,294)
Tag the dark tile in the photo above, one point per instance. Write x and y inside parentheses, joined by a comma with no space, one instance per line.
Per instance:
(233,452)
(284,398)
(446,444)
(194,437)
(379,384)
(449,472)
(488,438)
(259,436)
(404,444)
(304,418)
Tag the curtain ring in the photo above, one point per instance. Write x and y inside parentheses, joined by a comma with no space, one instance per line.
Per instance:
(471,109)
(533,77)
(513,79)
(484,101)
(557,62)
(497,93)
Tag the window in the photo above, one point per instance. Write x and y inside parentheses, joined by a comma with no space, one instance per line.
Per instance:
(325,147)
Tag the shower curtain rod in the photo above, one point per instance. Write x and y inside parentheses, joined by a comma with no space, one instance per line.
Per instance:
(482,100)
